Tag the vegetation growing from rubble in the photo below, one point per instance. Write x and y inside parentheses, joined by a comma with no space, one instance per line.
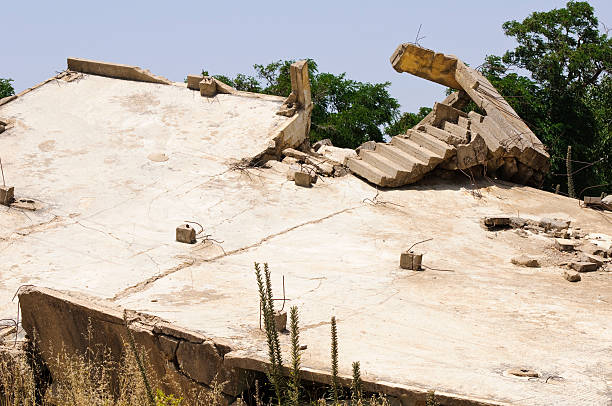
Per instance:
(6,89)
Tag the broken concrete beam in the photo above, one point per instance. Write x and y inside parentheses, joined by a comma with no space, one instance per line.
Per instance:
(563,244)
(7,195)
(302,179)
(294,153)
(583,266)
(185,233)
(463,122)
(208,87)
(571,276)
(115,70)
(300,83)
(193,81)
(426,64)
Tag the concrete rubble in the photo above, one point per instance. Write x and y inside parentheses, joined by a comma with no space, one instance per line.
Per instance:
(498,143)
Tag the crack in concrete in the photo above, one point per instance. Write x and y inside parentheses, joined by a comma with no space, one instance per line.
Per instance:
(143,285)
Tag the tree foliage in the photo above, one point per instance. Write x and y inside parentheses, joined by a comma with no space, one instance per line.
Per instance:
(566,101)
(6,89)
(346,111)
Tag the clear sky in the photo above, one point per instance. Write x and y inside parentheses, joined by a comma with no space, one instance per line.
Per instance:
(174,38)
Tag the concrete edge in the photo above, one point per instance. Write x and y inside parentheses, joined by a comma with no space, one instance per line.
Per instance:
(42,306)
(9,99)
(115,70)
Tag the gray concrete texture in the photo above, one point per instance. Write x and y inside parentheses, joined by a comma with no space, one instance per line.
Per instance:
(108,215)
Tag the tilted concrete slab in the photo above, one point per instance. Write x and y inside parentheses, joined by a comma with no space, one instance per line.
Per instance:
(91,152)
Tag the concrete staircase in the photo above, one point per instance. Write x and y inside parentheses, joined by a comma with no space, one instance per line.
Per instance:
(406,159)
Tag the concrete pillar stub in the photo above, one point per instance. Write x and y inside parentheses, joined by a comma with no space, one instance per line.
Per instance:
(7,195)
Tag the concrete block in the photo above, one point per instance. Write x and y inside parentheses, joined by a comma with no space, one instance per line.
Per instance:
(208,87)
(193,81)
(584,266)
(554,224)
(7,195)
(411,260)
(302,179)
(572,276)
(496,221)
(185,233)
(525,260)
(280,321)
(563,244)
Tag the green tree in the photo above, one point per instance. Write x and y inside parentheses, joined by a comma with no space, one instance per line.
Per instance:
(406,121)
(567,100)
(6,89)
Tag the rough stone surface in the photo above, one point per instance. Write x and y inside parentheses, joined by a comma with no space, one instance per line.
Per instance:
(526,260)
(572,276)
(554,224)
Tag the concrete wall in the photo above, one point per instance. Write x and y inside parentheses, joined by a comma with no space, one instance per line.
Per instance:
(59,320)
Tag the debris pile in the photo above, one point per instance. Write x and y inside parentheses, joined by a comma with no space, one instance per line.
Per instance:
(571,248)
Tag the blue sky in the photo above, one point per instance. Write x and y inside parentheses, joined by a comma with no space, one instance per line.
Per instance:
(176,38)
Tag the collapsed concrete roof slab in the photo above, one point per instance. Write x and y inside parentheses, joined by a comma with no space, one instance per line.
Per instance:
(92,152)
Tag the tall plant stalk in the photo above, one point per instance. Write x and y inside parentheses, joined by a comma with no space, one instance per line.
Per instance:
(294,395)
(334,360)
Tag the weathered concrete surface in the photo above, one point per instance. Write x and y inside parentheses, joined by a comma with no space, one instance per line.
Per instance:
(107,227)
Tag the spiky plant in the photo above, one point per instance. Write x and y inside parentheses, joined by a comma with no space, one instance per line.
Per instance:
(334,359)
(274,372)
(294,393)
(570,177)
(139,362)
(356,393)
(431,399)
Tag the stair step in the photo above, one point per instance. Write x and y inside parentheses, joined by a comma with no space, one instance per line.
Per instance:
(401,158)
(368,171)
(462,133)
(383,163)
(431,143)
(413,148)
(442,135)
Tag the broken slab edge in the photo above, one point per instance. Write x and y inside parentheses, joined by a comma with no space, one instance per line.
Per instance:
(115,70)
(44,308)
